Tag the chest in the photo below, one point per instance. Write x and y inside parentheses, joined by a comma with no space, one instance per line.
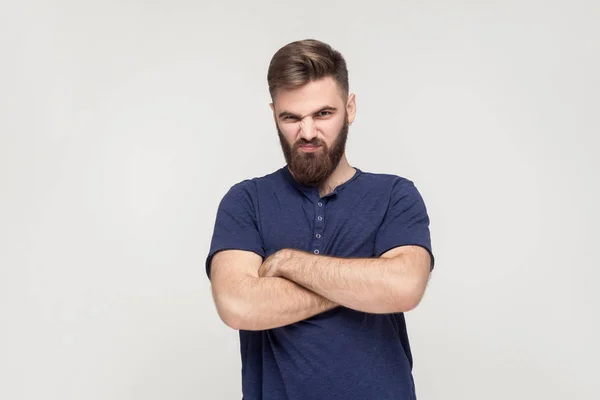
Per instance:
(342,226)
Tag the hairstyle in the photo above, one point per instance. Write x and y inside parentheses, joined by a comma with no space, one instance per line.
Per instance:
(301,62)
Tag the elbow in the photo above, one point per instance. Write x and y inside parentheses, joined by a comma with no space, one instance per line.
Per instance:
(231,320)
(409,302)
(408,296)
(232,312)
(398,302)
(240,321)
(236,314)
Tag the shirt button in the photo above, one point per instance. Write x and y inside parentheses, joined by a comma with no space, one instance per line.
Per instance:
(320,218)
(320,204)
(318,235)
(316,251)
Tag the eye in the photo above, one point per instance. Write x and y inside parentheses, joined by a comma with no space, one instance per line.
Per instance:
(324,113)
(289,118)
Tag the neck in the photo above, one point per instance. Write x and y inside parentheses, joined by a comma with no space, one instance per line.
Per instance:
(342,173)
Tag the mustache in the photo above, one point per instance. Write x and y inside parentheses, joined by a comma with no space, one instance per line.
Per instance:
(313,142)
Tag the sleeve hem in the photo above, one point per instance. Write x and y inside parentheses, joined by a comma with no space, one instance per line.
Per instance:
(388,248)
(259,252)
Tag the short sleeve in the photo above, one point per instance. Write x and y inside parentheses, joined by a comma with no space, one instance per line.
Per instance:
(406,221)
(236,226)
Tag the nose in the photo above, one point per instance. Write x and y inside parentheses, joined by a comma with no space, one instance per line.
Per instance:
(307,129)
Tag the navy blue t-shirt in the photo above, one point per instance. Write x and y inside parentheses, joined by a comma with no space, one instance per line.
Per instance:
(341,353)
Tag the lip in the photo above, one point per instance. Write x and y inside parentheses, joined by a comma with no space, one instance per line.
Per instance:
(309,148)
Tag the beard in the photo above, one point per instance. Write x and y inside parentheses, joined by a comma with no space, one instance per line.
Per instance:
(312,169)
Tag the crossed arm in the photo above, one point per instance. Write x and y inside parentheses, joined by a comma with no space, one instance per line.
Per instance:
(291,285)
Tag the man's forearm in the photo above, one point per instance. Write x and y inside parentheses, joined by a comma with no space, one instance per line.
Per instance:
(267,303)
(376,285)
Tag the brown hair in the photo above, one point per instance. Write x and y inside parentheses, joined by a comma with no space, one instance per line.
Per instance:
(301,62)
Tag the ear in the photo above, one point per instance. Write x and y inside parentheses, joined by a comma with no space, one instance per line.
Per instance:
(273,109)
(351,108)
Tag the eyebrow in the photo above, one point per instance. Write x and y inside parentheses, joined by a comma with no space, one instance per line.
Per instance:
(290,114)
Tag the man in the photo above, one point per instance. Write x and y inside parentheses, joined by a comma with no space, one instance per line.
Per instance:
(316,263)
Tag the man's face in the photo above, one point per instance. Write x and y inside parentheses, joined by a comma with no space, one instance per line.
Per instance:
(312,122)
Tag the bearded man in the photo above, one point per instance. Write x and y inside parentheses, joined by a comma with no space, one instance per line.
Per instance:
(316,263)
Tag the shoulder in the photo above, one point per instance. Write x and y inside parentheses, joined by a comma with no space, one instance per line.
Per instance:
(393,191)
(390,183)
(248,189)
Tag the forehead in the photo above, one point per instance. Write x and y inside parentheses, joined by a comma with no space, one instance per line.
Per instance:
(309,97)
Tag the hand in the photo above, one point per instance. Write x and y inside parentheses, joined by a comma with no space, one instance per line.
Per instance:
(274,265)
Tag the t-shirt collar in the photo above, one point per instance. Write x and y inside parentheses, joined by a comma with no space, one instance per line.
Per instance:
(313,189)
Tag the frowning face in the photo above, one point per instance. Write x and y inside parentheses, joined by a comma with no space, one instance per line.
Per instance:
(312,122)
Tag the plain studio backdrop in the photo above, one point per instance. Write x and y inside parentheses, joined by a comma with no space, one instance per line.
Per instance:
(123,123)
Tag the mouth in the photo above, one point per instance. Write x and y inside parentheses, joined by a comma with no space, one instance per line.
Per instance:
(309,148)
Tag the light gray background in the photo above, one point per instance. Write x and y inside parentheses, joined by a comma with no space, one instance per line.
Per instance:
(123,124)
